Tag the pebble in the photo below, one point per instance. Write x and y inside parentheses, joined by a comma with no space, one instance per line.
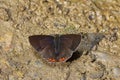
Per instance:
(5,41)
(110,62)
(96,75)
(116,72)
(11,77)
(3,14)
(106,58)
(101,56)
(38,64)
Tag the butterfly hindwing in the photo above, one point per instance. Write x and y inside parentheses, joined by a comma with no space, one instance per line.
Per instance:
(71,41)
(68,44)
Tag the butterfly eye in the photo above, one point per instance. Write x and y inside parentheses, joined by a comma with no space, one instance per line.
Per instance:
(51,60)
(62,59)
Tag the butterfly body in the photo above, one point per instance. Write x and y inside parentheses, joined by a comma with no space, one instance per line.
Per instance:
(58,48)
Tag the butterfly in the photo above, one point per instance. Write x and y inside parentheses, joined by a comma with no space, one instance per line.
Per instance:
(57,48)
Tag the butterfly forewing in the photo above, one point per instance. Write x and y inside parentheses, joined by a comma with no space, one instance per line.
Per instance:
(39,42)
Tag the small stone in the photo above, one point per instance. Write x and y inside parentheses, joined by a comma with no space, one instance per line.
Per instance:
(6,40)
(116,72)
(106,58)
(37,63)
(11,77)
(3,14)
(101,56)
(97,75)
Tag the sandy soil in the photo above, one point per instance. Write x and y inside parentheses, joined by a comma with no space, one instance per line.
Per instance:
(20,19)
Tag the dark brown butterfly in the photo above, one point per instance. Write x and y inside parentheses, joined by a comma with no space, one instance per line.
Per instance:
(58,48)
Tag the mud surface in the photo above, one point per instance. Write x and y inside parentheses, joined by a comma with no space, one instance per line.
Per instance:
(20,19)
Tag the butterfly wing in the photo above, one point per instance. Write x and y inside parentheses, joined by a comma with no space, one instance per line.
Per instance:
(44,44)
(68,44)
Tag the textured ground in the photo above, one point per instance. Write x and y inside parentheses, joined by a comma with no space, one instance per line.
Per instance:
(21,18)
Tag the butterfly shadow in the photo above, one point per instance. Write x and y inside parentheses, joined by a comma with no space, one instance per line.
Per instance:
(75,56)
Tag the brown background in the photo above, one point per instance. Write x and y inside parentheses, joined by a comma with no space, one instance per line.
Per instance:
(21,18)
